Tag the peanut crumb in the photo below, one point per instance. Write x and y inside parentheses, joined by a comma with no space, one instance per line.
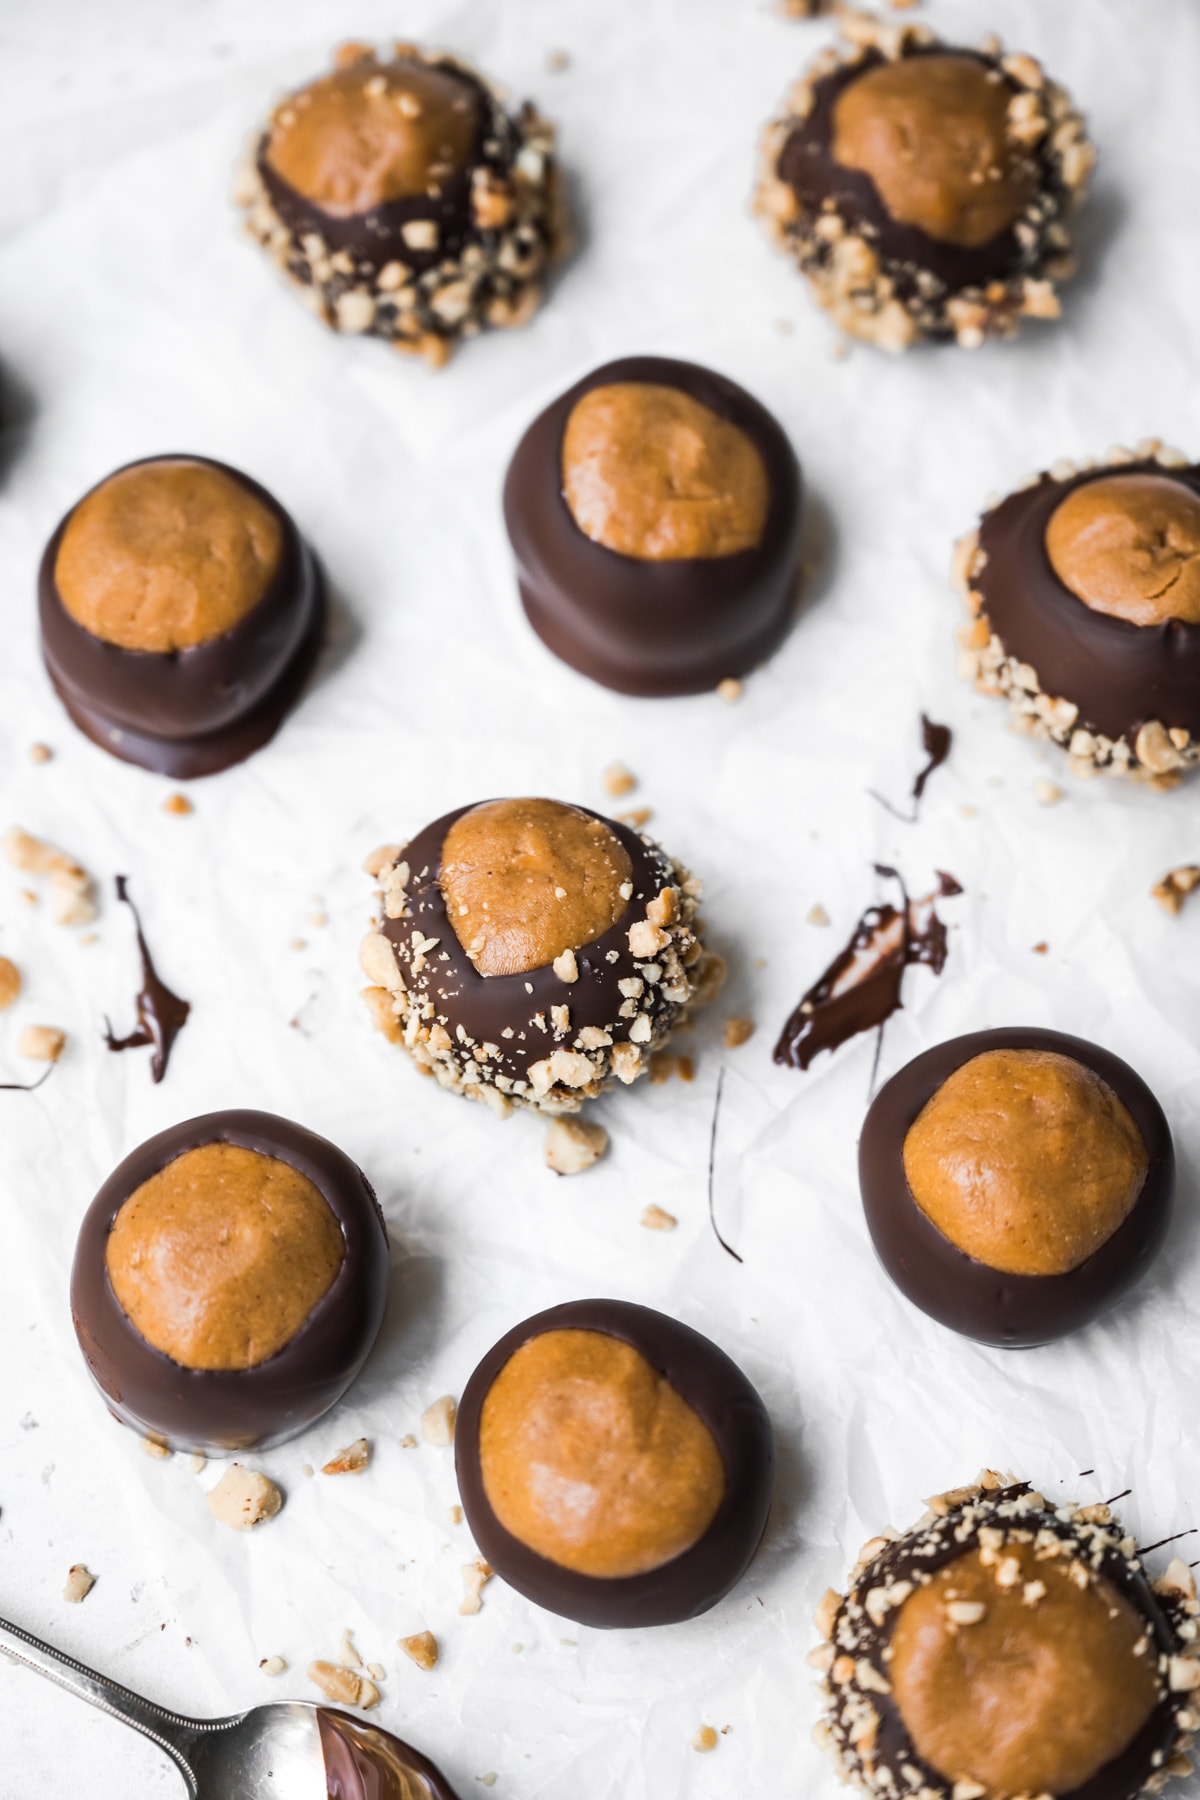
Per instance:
(438,1421)
(346,1687)
(475,1576)
(272,1665)
(705,1739)
(1170,892)
(617,780)
(573,1145)
(737,1032)
(655,1218)
(40,753)
(41,1043)
(421,1648)
(79,1584)
(730,689)
(1047,793)
(244,1498)
(156,1448)
(350,1461)
(178,804)
(10,982)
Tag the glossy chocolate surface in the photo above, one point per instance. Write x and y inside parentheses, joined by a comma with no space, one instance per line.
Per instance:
(223,1410)
(716,1389)
(1119,675)
(807,165)
(642,627)
(1118,1780)
(363,1762)
(190,712)
(1012,1311)
(485,1005)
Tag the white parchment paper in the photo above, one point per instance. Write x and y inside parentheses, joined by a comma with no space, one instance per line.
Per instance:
(134,319)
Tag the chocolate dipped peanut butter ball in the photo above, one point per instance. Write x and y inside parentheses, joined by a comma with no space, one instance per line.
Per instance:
(529,953)
(1016,1182)
(615,1467)
(1009,1646)
(654,512)
(181,614)
(1082,590)
(404,200)
(229,1281)
(924,188)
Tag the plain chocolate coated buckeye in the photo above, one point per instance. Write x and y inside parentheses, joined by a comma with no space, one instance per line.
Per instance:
(181,613)
(654,511)
(229,1281)
(615,1467)
(1016,1182)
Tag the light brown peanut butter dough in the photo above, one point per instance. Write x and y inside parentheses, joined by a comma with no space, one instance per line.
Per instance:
(220,1258)
(1129,545)
(652,473)
(526,880)
(372,132)
(1010,1675)
(932,134)
(591,1458)
(166,555)
(1026,1160)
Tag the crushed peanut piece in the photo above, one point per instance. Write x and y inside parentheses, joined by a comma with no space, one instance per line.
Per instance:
(243,1498)
(730,689)
(573,1145)
(1175,886)
(654,1218)
(438,1421)
(80,1582)
(617,780)
(421,1648)
(41,1043)
(705,1739)
(10,982)
(350,1461)
(178,804)
(346,1687)
(475,1576)
(272,1665)
(737,1031)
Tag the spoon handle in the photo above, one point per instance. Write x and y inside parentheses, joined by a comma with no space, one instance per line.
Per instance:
(170,1731)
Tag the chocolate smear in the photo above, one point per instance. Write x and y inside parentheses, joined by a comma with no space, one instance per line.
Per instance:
(161,1014)
(861,988)
(935,742)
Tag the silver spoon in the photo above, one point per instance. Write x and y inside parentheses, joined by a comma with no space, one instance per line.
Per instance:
(269,1753)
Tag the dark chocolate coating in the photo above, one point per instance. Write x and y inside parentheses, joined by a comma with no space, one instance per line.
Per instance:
(643,627)
(485,1004)
(1123,1776)
(190,712)
(807,165)
(1119,675)
(235,1409)
(374,238)
(716,1389)
(1011,1311)
(353,1773)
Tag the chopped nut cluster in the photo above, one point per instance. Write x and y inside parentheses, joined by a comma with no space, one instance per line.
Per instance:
(494,277)
(990,1514)
(872,297)
(1158,756)
(71,895)
(244,1498)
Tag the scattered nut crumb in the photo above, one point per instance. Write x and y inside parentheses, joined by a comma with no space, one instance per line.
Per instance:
(272,1665)
(1047,793)
(705,1739)
(737,1031)
(654,1218)
(156,1448)
(421,1648)
(1170,892)
(817,915)
(10,982)
(350,1461)
(664,1064)
(40,753)
(243,1498)
(455,1515)
(617,780)
(573,1145)
(197,1462)
(475,1577)
(730,689)
(637,819)
(438,1421)
(179,804)
(80,1582)
(345,1686)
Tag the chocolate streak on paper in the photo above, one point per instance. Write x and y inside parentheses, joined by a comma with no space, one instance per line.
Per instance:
(161,1014)
(861,988)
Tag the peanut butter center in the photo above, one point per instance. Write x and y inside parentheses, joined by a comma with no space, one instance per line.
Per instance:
(1129,545)
(591,1458)
(372,132)
(932,134)
(1047,1683)
(166,555)
(1026,1160)
(220,1258)
(651,473)
(525,880)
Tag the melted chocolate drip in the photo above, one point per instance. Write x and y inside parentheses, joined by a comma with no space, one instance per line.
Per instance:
(860,990)
(161,1014)
(364,1763)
